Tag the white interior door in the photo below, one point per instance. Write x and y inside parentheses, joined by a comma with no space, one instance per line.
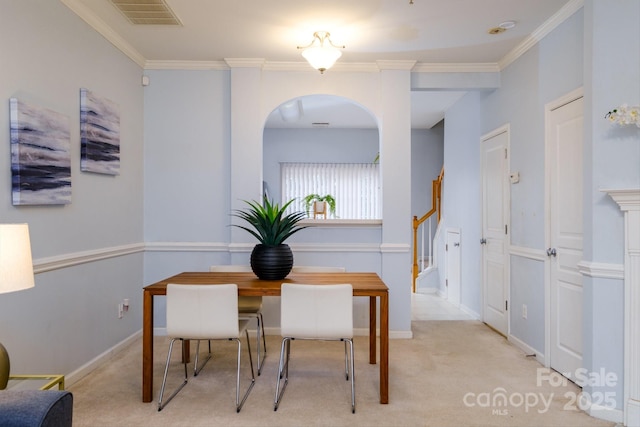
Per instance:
(495,229)
(564,186)
(452,251)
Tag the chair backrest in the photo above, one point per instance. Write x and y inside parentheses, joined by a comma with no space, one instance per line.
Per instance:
(316,311)
(314,269)
(202,311)
(230,268)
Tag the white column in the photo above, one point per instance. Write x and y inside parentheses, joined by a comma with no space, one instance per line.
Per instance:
(246,142)
(395,163)
(629,202)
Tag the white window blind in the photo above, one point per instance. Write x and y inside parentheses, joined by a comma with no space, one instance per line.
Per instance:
(354,186)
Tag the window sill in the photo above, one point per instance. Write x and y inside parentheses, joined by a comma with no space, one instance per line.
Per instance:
(341,222)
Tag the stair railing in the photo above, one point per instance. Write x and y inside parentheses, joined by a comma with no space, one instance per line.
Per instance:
(418,224)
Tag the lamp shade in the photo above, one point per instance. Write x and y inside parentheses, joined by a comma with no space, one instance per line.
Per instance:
(321,57)
(16,265)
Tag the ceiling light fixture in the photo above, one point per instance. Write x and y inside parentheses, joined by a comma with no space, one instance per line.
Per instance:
(321,56)
(507,25)
(504,26)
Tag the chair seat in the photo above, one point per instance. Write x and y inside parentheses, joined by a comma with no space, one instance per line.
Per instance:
(204,312)
(249,308)
(320,312)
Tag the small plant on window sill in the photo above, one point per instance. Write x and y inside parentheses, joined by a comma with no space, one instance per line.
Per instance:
(624,115)
(311,199)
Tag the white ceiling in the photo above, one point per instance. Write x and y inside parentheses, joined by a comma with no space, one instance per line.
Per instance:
(428,31)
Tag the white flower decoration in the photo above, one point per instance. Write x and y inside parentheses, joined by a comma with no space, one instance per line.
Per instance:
(625,115)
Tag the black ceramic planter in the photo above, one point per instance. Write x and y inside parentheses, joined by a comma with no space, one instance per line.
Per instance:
(271,262)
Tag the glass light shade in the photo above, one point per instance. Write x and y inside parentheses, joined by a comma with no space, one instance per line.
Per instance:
(16,265)
(321,57)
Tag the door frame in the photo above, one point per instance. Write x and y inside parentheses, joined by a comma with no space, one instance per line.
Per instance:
(548,108)
(506,128)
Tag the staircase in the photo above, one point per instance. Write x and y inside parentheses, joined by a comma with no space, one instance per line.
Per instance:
(424,263)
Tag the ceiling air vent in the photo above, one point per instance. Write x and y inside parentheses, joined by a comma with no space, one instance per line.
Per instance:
(147,12)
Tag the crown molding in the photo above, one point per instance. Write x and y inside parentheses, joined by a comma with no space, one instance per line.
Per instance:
(549,25)
(350,67)
(245,62)
(106,31)
(384,64)
(451,67)
(186,65)
(342,67)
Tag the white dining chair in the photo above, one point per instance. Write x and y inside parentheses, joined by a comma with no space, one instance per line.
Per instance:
(315,312)
(249,308)
(204,312)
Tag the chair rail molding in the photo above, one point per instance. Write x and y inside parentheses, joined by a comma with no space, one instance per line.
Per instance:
(42,265)
(629,202)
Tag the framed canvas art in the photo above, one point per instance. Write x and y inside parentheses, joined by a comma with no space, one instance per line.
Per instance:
(40,155)
(99,134)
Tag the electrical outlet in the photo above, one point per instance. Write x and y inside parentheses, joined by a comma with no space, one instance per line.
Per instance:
(120,310)
(524,311)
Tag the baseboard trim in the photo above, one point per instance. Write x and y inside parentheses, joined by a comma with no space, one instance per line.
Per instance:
(469,311)
(101,359)
(527,349)
(607,414)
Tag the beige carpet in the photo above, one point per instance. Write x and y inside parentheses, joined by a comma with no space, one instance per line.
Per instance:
(452,373)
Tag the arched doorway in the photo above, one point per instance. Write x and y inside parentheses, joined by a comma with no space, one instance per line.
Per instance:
(322,130)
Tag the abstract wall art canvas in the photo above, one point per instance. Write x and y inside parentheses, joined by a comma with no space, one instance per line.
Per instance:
(99,134)
(40,155)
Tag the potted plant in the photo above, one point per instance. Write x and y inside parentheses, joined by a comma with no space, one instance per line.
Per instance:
(271,259)
(319,204)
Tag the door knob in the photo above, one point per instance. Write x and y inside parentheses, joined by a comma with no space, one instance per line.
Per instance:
(483,241)
(551,252)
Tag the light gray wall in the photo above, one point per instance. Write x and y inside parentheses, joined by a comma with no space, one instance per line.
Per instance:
(187,206)
(526,83)
(581,52)
(427,154)
(612,159)
(70,317)
(186,155)
(186,176)
(461,193)
(315,146)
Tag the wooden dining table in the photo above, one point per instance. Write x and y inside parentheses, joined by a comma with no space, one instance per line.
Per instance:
(364,285)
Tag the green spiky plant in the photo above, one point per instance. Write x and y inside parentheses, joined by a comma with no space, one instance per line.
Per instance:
(270,224)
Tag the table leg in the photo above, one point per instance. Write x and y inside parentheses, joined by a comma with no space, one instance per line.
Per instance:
(147,347)
(384,348)
(186,351)
(372,330)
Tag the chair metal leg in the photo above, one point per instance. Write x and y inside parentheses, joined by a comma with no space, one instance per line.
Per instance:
(259,332)
(161,404)
(283,371)
(346,360)
(353,378)
(197,370)
(239,403)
